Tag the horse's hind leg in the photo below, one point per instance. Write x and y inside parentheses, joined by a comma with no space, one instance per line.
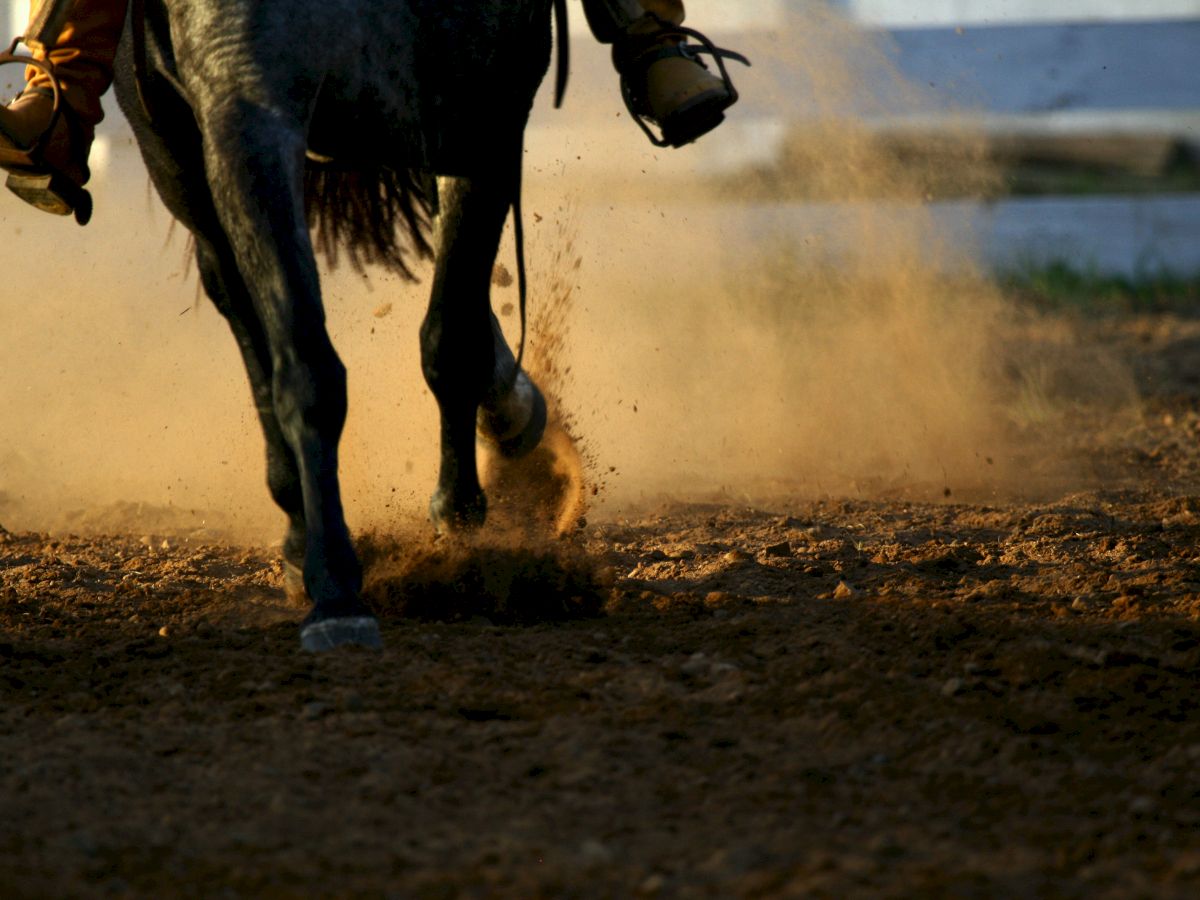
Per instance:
(466,361)
(512,417)
(260,205)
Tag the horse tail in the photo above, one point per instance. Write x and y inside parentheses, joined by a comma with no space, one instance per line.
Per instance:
(378,217)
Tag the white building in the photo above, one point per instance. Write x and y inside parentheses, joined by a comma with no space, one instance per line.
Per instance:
(932,13)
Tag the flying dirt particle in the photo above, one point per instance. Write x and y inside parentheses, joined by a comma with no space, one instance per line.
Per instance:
(946,492)
(382,310)
(501,277)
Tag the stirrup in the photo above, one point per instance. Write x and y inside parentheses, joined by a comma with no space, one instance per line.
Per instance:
(691,52)
(30,178)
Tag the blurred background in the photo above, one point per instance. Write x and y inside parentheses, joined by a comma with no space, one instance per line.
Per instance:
(816,298)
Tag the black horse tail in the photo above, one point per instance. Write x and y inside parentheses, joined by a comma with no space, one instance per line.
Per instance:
(379,217)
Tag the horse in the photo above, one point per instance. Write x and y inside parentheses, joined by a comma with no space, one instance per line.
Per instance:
(274,130)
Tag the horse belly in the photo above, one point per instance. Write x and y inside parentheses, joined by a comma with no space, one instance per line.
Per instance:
(449,82)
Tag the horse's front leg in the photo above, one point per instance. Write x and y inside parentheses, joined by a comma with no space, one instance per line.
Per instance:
(458,344)
(224,286)
(259,200)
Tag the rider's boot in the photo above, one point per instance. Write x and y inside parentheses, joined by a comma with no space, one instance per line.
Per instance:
(48,157)
(662,80)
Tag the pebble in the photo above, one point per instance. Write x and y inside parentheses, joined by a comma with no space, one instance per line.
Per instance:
(736,556)
(1141,806)
(843,591)
(314,710)
(783,548)
(165,631)
(652,884)
(952,686)
(595,852)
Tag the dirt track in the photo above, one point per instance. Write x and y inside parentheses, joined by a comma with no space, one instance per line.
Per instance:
(797,697)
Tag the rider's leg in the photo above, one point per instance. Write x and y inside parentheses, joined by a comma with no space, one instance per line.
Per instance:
(676,91)
(82,57)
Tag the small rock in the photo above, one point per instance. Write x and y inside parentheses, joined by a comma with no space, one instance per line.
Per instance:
(652,884)
(1078,604)
(165,631)
(314,710)
(737,556)
(1187,864)
(165,545)
(1141,806)
(783,548)
(843,591)
(595,852)
(952,686)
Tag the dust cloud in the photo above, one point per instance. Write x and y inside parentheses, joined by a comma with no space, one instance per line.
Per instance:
(707,339)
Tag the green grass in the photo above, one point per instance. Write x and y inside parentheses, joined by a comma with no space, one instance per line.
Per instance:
(1060,287)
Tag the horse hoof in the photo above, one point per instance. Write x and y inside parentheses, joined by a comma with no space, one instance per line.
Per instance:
(516,424)
(348,631)
(449,518)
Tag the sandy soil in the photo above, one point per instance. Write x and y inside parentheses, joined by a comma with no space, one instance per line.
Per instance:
(702,699)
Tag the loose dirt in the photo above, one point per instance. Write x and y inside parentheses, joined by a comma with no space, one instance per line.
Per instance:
(793,696)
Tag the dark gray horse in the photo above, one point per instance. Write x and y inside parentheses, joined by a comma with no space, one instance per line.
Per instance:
(264,123)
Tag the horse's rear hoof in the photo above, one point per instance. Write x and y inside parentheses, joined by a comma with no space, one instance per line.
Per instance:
(515,425)
(348,631)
